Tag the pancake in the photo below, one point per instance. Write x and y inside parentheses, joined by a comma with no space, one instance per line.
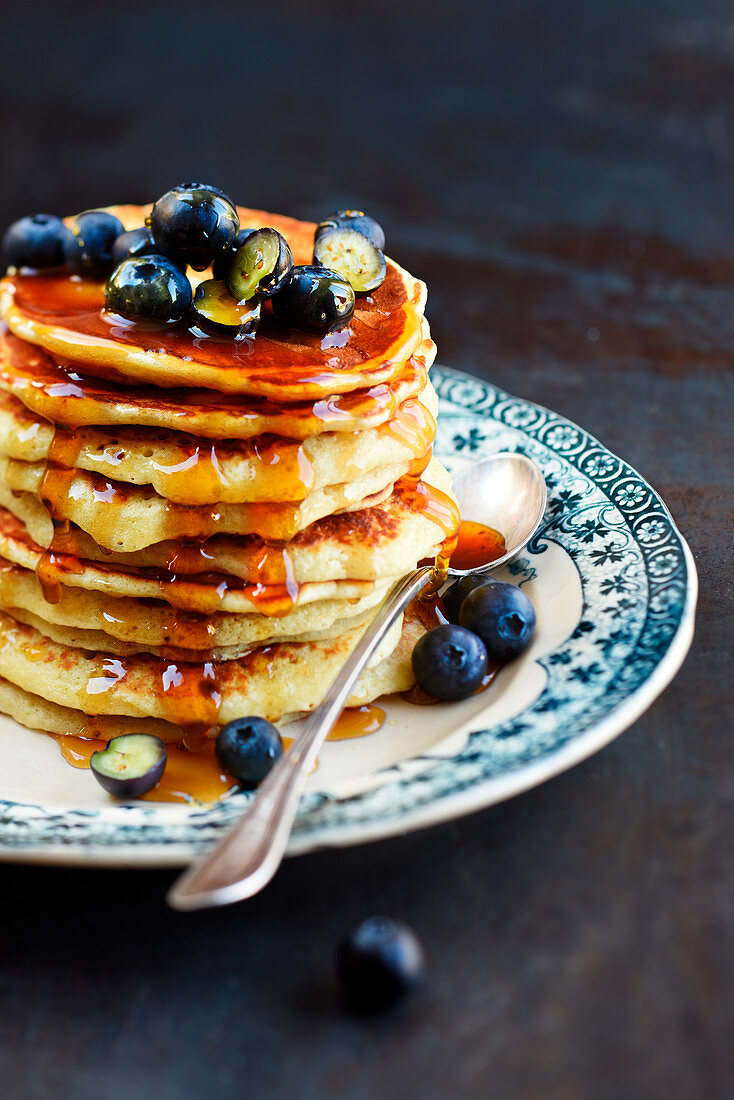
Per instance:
(276,682)
(378,542)
(63,395)
(187,470)
(65,316)
(127,518)
(392,674)
(151,624)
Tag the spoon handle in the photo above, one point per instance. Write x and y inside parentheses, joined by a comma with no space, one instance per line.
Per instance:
(248,856)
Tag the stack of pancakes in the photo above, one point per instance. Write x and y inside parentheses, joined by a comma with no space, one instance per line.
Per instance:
(193,529)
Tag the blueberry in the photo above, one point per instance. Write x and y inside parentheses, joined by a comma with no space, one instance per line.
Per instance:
(215,310)
(88,247)
(260,266)
(36,241)
(378,963)
(450,662)
(314,299)
(352,255)
(457,592)
(222,264)
(247,748)
(193,224)
(130,765)
(354,219)
(502,616)
(148,288)
(134,242)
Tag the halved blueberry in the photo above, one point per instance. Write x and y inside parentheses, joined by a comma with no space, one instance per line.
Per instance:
(134,242)
(222,264)
(314,299)
(450,662)
(247,748)
(354,219)
(148,288)
(193,224)
(88,246)
(502,616)
(378,963)
(260,266)
(215,310)
(131,764)
(352,255)
(36,241)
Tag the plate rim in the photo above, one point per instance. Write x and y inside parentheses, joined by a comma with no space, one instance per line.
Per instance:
(482,794)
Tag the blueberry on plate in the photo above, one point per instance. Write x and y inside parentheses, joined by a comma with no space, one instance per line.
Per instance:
(36,241)
(134,242)
(314,299)
(352,255)
(354,219)
(223,262)
(378,963)
(247,748)
(457,592)
(148,288)
(502,616)
(214,310)
(193,224)
(88,247)
(130,765)
(260,266)
(450,662)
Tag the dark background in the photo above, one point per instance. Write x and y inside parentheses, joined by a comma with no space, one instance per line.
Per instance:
(560,173)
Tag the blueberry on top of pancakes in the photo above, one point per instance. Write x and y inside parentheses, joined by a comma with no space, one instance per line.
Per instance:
(88,246)
(193,223)
(223,262)
(315,299)
(134,242)
(357,220)
(148,288)
(351,254)
(35,241)
(260,266)
(215,311)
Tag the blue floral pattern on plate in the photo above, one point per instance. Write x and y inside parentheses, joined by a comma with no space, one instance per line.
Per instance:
(638,585)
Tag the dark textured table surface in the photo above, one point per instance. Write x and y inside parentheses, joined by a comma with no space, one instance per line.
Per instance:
(561,176)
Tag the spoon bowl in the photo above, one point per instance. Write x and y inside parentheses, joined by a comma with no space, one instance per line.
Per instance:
(505,491)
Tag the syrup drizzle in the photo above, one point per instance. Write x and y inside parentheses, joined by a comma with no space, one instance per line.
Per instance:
(195,776)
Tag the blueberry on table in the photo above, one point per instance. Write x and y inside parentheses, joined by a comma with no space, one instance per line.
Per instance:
(502,616)
(457,592)
(377,964)
(131,764)
(214,310)
(223,262)
(149,288)
(352,255)
(450,662)
(134,242)
(88,246)
(193,224)
(354,219)
(247,748)
(314,299)
(36,241)
(260,266)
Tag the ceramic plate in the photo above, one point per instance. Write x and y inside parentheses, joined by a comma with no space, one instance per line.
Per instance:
(614,587)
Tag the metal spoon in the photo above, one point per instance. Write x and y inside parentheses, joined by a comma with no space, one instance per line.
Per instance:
(505,491)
